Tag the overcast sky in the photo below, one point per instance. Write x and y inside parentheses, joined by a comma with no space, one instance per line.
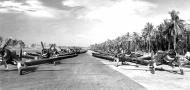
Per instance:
(82,22)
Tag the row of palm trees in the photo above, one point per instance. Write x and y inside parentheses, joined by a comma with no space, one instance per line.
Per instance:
(171,34)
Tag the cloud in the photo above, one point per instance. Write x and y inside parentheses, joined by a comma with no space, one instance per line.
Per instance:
(112,18)
(89,4)
(118,18)
(82,21)
(115,18)
(184,14)
(29,7)
(3,10)
(70,3)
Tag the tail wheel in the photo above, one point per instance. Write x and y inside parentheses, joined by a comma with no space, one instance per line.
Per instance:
(152,67)
(181,72)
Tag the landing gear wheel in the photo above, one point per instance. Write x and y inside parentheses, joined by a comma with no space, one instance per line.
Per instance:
(152,70)
(19,67)
(117,64)
(20,71)
(152,66)
(181,72)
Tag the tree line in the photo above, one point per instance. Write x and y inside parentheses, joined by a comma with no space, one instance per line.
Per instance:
(170,34)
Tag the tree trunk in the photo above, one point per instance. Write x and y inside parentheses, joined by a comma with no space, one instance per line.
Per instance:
(169,45)
(135,46)
(175,35)
(129,45)
(149,46)
(174,42)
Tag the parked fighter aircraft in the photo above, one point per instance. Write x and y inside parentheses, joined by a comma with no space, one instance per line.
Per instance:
(45,52)
(10,57)
(168,58)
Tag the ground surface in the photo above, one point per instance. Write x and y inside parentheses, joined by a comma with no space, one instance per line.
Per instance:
(83,72)
(163,79)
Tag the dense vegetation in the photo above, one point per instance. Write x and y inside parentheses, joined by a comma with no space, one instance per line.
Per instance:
(170,34)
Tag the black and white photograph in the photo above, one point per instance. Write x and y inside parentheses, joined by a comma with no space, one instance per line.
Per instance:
(94,44)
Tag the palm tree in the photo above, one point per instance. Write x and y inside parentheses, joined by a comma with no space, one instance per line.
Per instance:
(147,31)
(136,40)
(128,39)
(175,27)
(160,44)
(168,32)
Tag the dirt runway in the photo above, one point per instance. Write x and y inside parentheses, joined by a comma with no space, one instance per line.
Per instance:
(83,72)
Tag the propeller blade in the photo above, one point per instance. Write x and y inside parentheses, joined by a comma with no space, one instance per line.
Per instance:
(54,46)
(42,45)
(6,44)
(20,54)
(51,46)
